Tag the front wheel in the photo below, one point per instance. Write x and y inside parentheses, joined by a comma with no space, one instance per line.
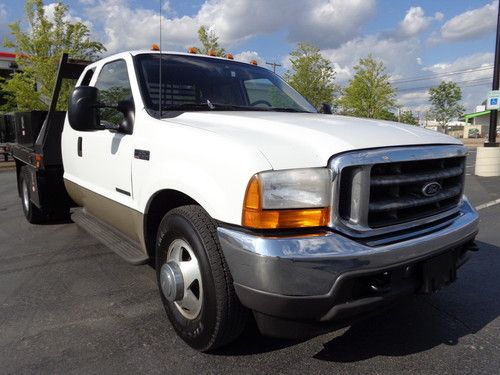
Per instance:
(195,284)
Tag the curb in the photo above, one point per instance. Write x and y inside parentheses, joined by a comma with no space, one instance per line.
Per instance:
(7,165)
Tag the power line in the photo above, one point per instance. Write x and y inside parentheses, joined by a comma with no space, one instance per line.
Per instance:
(465,83)
(274,65)
(438,75)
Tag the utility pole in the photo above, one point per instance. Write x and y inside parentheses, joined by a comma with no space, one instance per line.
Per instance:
(496,75)
(274,65)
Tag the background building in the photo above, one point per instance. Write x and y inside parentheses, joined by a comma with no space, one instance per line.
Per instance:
(477,123)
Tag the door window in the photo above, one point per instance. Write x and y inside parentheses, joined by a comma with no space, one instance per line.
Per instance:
(114,86)
(263,93)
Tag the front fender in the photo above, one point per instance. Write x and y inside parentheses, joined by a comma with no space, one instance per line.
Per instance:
(218,183)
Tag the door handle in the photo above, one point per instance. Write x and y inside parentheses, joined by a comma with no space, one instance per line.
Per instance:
(79,146)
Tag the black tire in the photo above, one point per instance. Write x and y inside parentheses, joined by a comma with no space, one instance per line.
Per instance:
(222,318)
(32,213)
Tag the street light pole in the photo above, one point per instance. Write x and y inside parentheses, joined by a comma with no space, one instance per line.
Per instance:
(496,75)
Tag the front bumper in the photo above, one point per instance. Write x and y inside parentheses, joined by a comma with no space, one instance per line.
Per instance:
(316,277)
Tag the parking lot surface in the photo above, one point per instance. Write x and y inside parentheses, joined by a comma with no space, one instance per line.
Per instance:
(70,305)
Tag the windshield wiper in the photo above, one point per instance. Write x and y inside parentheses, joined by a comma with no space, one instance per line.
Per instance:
(209,106)
(287,109)
(226,107)
(187,106)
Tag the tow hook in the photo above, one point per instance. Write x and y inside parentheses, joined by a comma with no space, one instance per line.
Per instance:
(381,283)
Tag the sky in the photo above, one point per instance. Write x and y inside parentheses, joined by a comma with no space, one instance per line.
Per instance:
(420,42)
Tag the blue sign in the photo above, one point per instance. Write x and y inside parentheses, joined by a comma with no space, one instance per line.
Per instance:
(493,101)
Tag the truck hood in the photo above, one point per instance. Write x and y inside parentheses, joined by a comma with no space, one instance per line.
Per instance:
(300,140)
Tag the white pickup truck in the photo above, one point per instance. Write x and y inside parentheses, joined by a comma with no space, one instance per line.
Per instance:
(245,199)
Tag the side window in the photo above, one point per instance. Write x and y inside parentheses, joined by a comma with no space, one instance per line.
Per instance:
(262,92)
(114,86)
(87,78)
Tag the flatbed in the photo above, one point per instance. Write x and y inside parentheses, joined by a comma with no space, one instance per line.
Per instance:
(37,152)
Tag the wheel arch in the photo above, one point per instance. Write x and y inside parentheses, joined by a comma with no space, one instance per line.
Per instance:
(157,207)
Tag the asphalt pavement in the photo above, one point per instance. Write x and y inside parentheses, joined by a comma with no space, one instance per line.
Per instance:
(70,305)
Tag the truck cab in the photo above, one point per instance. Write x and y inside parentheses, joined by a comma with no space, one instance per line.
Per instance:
(248,201)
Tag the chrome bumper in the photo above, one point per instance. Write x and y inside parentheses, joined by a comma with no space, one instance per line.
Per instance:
(312,265)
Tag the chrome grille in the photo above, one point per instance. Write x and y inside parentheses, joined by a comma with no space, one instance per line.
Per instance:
(397,190)
(379,191)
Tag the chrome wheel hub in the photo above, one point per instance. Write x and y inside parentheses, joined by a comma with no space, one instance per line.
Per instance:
(180,279)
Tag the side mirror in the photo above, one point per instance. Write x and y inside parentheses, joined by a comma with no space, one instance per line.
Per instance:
(83,109)
(326,109)
(127,108)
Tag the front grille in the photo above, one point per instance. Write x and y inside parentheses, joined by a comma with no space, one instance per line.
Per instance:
(384,190)
(396,190)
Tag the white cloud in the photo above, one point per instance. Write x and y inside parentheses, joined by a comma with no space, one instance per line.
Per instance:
(248,56)
(324,23)
(417,102)
(49,13)
(399,56)
(4,30)
(3,12)
(473,75)
(475,79)
(414,22)
(471,24)
(330,23)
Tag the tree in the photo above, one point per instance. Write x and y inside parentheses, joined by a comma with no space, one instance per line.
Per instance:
(407,117)
(210,42)
(445,100)
(311,75)
(38,52)
(369,93)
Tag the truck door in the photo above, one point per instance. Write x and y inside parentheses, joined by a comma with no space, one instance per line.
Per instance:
(107,155)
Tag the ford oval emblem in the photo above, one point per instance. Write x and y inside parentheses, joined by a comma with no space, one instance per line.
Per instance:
(431,188)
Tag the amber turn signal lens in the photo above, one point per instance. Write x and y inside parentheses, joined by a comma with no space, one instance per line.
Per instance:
(256,217)
(155,47)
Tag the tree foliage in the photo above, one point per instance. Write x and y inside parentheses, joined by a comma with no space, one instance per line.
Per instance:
(407,117)
(210,42)
(369,93)
(38,52)
(311,75)
(445,100)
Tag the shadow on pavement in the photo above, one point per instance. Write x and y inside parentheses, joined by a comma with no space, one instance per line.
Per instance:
(252,342)
(426,321)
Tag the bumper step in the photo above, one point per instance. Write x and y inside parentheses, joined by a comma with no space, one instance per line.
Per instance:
(114,240)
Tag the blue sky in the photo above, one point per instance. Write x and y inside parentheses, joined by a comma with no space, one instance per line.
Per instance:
(421,42)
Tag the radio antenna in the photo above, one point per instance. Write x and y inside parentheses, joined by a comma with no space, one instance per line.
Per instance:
(161,58)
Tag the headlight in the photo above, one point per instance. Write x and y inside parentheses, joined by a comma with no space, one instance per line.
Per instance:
(294,198)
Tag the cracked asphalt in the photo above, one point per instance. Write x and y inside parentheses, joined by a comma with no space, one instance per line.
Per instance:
(70,305)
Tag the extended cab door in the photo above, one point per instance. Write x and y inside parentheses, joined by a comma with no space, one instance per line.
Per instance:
(102,159)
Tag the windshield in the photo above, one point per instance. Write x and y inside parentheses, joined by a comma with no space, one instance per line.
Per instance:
(193,83)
